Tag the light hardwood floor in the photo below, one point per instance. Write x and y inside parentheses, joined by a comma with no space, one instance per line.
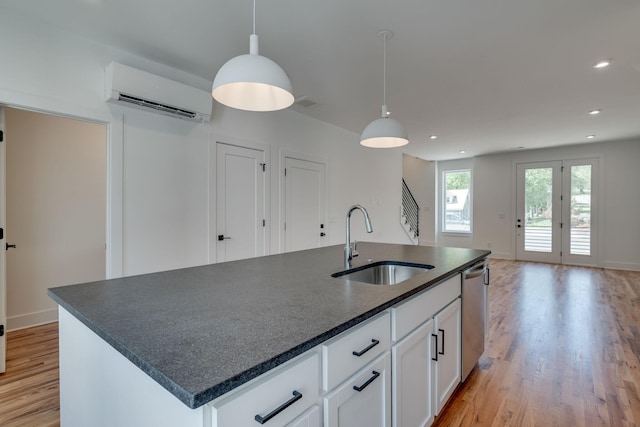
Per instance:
(29,387)
(563,350)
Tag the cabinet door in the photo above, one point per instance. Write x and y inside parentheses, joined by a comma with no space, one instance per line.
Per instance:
(362,400)
(311,418)
(412,402)
(447,360)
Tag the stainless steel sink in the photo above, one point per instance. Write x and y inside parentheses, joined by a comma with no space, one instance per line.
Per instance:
(383,272)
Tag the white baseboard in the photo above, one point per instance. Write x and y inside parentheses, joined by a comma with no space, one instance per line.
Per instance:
(427,242)
(621,265)
(501,255)
(32,319)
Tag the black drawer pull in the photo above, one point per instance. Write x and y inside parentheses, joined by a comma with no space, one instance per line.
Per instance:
(369,381)
(296,396)
(436,352)
(374,343)
(442,352)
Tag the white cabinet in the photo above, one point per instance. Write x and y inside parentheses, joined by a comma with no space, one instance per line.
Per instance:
(277,397)
(362,400)
(345,354)
(412,401)
(416,324)
(311,418)
(447,355)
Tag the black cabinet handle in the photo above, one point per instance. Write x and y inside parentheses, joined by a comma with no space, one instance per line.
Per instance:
(442,352)
(6,248)
(369,381)
(374,343)
(296,396)
(436,352)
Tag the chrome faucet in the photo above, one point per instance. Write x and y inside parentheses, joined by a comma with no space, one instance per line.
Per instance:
(349,249)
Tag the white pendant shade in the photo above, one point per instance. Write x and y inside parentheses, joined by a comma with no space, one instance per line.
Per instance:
(384,133)
(254,83)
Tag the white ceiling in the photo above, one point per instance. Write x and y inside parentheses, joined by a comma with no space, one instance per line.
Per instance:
(483,75)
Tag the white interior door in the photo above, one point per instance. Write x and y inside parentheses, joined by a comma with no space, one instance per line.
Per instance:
(240,204)
(304,222)
(538,211)
(3,271)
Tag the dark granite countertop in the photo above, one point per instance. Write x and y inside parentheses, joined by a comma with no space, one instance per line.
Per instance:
(203,331)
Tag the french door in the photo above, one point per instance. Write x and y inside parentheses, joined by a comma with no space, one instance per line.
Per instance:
(556,211)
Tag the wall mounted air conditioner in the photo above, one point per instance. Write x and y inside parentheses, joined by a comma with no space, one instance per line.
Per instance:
(138,89)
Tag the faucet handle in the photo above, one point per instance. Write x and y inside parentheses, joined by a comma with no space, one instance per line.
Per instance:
(354,249)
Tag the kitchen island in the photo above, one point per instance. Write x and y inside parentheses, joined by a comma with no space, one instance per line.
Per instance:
(199,333)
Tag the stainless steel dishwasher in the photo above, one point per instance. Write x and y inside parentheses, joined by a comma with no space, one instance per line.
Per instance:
(475,281)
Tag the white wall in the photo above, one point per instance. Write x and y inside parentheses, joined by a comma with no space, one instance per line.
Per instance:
(159,166)
(420,176)
(494,203)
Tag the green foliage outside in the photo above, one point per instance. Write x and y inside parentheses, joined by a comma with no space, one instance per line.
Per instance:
(458,180)
(538,202)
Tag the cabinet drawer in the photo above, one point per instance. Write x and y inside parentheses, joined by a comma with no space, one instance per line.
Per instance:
(364,399)
(409,314)
(270,392)
(347,353)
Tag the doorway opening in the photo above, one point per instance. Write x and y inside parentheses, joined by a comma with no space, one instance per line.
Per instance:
(55,186)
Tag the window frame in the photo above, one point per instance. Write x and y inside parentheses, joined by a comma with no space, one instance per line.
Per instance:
(443,202)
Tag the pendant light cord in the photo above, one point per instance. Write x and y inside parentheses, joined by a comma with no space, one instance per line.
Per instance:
(254,16)
(384,70)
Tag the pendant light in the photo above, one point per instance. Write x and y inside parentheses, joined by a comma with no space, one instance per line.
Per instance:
(252,82)
(384,132)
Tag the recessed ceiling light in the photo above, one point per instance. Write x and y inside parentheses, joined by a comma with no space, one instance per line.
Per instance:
(594,112)
(433,137)
(602,64)
(463,151)
(590,136)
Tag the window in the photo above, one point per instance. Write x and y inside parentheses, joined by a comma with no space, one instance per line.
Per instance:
(456,216)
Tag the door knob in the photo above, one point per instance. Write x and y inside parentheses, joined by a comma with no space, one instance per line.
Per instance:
(221,237)
(322,234)
(9,246)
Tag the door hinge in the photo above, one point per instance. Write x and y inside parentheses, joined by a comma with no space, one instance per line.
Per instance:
(1,135)
(561,168)
(264,165)
(561,224)
(1,233)
(561,197)
(285,171)
(1,330)
(285,226)
(560,253)
(264,223)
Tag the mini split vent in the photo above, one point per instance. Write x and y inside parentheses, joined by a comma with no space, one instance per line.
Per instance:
(138,89)
(305,102)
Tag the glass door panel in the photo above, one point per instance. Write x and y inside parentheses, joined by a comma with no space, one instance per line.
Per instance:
(538,211)
(538,205)
(579,212)
(580,208)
